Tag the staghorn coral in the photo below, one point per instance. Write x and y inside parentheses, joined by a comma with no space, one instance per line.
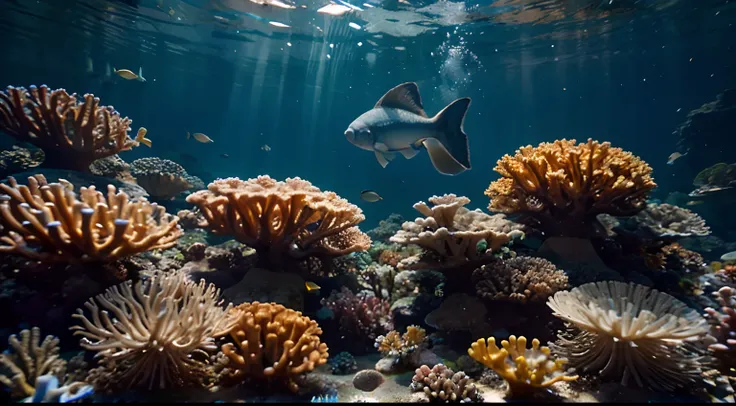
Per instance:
(159,335)
(563,186)
(666,220)
(27,359)
(441,384)
(162,179)
(273,343)
(629,331)
(361,317)
(48,222)
(291,219)
(451,233)
(71,133)
(524,370)
(521,278)
(723,327)
(404,350)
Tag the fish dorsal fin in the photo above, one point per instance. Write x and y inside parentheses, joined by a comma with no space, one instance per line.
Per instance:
(405,97)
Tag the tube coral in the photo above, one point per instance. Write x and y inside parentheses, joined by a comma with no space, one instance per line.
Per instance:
(629,331)
(71,133)
(160,332)
(48,222)
(564,186)
(273,343)
(278,219)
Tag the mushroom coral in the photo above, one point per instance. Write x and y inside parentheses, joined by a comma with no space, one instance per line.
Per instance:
(71,133)
(49,222)
(274,344)
(450,233)
(282,219)
(563,186)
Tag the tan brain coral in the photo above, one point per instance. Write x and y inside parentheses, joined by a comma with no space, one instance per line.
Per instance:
(49,222)
(71,133)
(291,218)
(274,344)
(564,185)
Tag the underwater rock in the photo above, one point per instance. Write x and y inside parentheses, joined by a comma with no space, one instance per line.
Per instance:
(80,179)
(261,285)
(368,380)
(472,309)
(577,256)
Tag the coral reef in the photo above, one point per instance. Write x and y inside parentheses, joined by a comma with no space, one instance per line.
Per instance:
(282,219)
(451,234)
(723,327)
(386,228)
(361,317)
(561,187)
(160,334)
(274,344)
(440,383)
(378,278)
(112,167)
(71,133)
(28,359)
(629,331)
(403,350)
(666,220)
(343,364)
(48,222)
(521,278)
(524,370)
(162,179)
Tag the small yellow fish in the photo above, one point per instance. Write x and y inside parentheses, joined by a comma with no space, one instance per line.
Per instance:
(265,147)
(141,137)
(200,137)
(311,286)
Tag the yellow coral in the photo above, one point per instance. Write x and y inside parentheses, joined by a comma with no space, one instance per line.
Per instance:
(564,186)
(524,370)
(414,335)
(274,343)
(48,222)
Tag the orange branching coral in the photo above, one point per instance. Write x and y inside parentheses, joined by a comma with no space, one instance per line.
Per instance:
(525,370)
(273,343)
(406,349)
(291,218)
(71,133)
(563,186)
(159,335)
(49,222)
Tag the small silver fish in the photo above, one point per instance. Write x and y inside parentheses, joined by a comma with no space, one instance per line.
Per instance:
(200,137)
(674,157)
(398,124)
(223,155)
(129,75)
(265,147)
(370,196)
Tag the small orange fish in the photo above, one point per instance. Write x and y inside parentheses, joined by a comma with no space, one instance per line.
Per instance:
(141,137)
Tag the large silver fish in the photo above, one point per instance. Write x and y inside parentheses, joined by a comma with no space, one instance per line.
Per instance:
(398,124)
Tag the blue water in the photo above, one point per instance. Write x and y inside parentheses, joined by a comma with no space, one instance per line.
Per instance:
(621,71)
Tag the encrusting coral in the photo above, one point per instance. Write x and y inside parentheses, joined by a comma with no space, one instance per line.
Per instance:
(451,234)
(282,219)
(159,335)
(71,133)
(563,186)
(524,370)
(49,222)
(27,359)
(273,343)
(666,220)
(521,278)
(630,331)
(441,384)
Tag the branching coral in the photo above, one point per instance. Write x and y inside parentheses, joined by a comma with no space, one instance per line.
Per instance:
(162,179)
(278,219)
(629,331)
(440,383)
(404,349)
(27,359)
(525,370)
(521,278)
(564,186)
(723,326)
(159,335)
(71,133)
(48,222)
(273,343)
(666,220)
(361,317)
(452,233)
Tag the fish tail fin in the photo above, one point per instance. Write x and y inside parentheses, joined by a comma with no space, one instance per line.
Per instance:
(188,135)
(140,74)
(450,151)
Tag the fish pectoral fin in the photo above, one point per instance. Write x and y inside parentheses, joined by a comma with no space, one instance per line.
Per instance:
(385,157)
(442,160)
(379,146)
(404,97)
(409,153)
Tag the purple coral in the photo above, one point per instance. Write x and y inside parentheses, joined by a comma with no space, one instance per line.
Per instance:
(360,316)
